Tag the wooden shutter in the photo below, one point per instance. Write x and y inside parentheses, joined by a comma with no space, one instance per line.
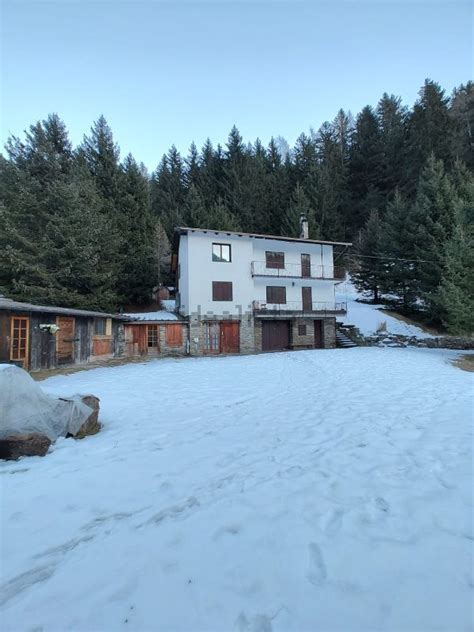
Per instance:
(275,259)
(221,290)
(276,294)
(174,335)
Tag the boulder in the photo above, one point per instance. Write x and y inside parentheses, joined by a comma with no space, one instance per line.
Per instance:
(92,425)
(12,448)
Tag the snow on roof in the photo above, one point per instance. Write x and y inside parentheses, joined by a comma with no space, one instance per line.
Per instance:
(161,314)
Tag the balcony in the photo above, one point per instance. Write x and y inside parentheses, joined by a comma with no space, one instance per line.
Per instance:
(298,271)
(297,308)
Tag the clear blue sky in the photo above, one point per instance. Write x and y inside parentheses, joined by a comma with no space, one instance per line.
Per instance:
(173,72)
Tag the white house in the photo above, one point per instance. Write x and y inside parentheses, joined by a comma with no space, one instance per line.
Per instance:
(245,292)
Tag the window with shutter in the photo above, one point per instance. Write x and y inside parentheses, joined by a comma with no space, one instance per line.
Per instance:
(275,259)
(276,294)
(222,290)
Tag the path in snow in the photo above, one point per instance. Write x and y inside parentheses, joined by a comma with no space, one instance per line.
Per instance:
(317,490)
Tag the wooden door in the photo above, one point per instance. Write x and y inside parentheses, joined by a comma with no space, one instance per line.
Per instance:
(307,296)
(305,266)
(318,334)
(20,335)
(229,337)
(65,339)
(275,335)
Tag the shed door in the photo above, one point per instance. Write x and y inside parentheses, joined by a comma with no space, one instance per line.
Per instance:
(318,334)
(65,339)
(19,340)
(230,337)
(275,335)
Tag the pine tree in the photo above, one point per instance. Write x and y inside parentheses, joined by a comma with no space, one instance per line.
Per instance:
(398,246)
(221,218)
(391,116)
(455,294)
(365,167)
(369,269)
(195,213)
(55,246)
(461,112)
(429,130)
(299,206)
(138,274)
(432,219)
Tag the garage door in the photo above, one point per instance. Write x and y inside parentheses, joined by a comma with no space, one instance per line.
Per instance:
(275,335)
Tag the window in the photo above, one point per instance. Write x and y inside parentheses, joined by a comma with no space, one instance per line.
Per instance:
(99,326)
(301,330)
(221,290)
(152,335)
(275,259)
(221,253)
(174,335)
(19,338)
(276,294)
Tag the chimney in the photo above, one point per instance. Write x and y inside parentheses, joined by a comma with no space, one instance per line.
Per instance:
(304,233)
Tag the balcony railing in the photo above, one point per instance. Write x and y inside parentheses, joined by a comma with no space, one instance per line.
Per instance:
(298,271)
(298,308)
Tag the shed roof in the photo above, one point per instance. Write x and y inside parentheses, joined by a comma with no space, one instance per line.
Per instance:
(160,315)
(11,305)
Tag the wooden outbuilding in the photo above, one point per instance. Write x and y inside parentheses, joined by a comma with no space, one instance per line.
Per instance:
(37,337)
(155,334)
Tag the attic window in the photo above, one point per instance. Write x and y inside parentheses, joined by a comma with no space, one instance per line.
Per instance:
(221,253)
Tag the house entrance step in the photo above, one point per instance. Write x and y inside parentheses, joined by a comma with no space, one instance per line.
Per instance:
(343,341)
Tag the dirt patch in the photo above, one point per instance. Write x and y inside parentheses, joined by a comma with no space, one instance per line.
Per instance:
(465,362)
(43,375)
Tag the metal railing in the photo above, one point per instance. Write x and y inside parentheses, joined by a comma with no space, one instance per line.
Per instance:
(298,271)
(299,307)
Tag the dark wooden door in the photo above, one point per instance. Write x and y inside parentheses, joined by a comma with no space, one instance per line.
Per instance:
(229,337)
(318,334)
(306,266)
(275,335)
(65,339)
(307,295)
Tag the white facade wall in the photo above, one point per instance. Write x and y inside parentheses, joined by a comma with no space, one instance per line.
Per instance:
(198,271)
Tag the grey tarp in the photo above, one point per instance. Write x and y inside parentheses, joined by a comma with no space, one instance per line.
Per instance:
(26,409)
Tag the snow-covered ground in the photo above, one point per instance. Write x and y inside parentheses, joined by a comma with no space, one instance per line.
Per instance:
(367,318)
(308,491)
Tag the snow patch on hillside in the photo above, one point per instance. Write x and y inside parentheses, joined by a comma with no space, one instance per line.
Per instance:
(367,317)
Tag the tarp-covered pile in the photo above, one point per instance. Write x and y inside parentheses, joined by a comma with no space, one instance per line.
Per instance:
(26,409)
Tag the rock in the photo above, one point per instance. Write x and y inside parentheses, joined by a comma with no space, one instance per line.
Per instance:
(92,424)
(12,448)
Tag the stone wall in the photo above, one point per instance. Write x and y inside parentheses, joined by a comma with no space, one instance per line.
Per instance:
(196,333)
(329,333)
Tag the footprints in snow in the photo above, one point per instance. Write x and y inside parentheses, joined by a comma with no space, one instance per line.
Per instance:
(317,572)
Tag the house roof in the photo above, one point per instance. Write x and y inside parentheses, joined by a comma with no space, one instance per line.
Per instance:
(184,230)
(11,305)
